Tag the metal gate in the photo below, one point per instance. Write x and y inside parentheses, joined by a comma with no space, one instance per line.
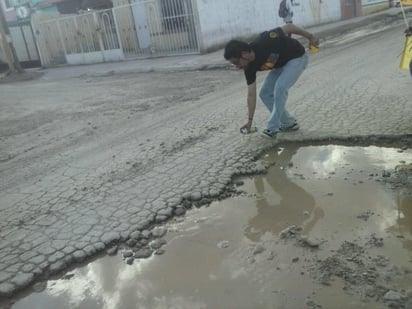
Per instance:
(23,40)
(141,29)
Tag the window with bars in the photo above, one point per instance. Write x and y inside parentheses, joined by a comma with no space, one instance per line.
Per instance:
(7,4)
(173,15)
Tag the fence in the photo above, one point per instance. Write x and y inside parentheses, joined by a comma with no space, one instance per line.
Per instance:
(24,44)
(142,29)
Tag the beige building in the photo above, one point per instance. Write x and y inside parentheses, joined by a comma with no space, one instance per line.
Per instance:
(85,31)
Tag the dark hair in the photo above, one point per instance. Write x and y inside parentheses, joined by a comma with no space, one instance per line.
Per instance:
(235,48)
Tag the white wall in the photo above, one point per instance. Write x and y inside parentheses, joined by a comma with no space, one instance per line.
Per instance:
(222,20)
(312,12)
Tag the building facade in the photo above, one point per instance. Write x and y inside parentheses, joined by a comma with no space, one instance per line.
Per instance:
(91,31)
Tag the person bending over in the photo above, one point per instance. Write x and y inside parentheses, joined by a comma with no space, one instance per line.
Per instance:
(285,59)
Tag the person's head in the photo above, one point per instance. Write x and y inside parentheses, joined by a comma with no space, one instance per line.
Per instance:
(238,53)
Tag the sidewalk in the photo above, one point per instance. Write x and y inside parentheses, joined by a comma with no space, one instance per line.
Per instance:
(205,61)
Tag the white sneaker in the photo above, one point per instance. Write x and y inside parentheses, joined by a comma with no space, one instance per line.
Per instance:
(293,127)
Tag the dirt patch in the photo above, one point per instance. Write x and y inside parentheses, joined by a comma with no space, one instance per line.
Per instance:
(368,276)
(6,78)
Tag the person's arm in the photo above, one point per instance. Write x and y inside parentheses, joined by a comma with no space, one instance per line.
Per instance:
(293,29)
(251,105)
(251,101)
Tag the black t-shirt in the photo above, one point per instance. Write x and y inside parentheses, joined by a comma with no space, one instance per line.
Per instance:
(273,49)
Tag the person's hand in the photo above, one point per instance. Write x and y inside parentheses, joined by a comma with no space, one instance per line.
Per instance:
(247,126)
(314,40)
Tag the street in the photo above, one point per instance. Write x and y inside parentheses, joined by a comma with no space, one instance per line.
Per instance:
(85,162)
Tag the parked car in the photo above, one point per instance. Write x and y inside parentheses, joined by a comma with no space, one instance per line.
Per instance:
(404,3)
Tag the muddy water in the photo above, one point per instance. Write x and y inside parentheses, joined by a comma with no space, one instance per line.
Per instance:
(230,255)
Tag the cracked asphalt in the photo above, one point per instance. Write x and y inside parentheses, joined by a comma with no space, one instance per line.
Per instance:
(87,160)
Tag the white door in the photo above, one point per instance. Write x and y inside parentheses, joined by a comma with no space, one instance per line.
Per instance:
(142,26)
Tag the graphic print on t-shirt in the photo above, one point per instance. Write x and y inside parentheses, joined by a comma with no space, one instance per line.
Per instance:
(270,62)
(273,35)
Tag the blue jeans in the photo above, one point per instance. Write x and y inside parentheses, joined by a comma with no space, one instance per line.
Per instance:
(274,92)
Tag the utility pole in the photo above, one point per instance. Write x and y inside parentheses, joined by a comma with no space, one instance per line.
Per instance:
(8,47)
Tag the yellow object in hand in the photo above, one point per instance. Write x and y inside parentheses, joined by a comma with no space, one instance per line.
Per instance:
(313,48)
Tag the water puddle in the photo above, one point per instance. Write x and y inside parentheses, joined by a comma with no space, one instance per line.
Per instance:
(321,228)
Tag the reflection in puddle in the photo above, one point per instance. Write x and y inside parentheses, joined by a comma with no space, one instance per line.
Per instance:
(332,192)
(281,198)
(403,226)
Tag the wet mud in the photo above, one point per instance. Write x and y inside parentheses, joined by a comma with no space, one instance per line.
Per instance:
(325,227)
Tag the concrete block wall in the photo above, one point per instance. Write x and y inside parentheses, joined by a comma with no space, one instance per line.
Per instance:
(222,20)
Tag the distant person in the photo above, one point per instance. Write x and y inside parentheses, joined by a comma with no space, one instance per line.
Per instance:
(286,12)
(285,58)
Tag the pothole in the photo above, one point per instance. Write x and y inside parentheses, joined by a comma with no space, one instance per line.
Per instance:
(326,225)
